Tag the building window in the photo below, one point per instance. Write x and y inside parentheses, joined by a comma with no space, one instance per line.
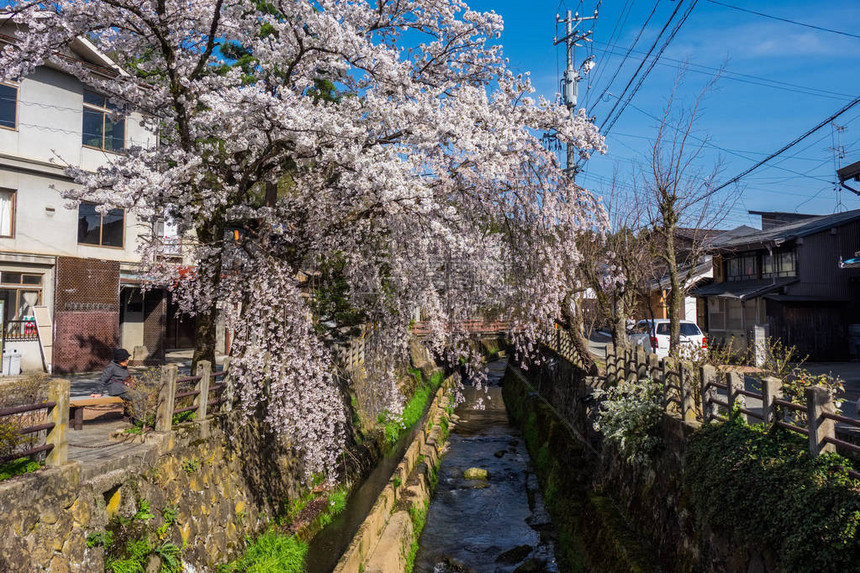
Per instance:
(7,213)
(20,293)
(743,267)
(99,130)
(8,106)
(779,264)
(102,230)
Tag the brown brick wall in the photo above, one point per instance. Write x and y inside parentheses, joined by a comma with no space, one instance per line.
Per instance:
(86,314)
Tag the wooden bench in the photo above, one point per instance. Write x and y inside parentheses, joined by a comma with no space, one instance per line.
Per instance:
(76,408)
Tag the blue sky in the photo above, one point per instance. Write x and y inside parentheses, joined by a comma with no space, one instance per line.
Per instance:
(747,116)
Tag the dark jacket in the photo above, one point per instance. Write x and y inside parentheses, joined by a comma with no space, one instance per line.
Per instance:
(112,380)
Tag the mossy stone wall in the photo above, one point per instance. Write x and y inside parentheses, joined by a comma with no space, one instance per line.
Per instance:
(222,490)
(614,515)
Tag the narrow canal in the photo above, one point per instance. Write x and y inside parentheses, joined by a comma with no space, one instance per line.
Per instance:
(498,524)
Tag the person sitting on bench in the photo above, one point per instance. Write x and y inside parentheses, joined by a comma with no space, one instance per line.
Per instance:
(115,379)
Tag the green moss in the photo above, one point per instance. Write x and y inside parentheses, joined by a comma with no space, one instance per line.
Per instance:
(414,408)
(418,514)
(18,467)
(587,525)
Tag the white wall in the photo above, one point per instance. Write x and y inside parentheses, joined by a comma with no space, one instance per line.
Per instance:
(48,137)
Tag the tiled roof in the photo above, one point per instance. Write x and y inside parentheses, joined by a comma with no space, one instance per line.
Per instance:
(748,237)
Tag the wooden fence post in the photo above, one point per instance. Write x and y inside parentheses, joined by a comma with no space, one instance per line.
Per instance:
(771,389)
(201,400)
(708,375)
(641,364)
(166,398)
(688,402)
(630,366)
(666,377)
(818,403)
(736,383)
(653,367)
(58,391)
(610,365)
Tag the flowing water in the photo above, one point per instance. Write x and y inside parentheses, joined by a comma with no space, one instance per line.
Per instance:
(493,525)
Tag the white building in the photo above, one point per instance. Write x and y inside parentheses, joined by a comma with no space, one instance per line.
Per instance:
(77,263)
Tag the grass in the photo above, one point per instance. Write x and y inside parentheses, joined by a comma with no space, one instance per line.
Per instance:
(414,408)
(419,518)
(18,467)
(270,552)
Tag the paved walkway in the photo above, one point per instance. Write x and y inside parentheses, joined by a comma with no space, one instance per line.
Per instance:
(93,444)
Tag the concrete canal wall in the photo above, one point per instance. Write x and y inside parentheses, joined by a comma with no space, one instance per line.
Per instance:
(386,541)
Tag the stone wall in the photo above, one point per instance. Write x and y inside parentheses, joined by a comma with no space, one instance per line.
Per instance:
(221,489)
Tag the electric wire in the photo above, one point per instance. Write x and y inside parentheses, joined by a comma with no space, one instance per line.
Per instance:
(747,78)
(788,146)
(642,78)
(626,55)
(642,63)
(611,43)
(804,24)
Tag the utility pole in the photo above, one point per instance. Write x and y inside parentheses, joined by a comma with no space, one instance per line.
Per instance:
(571,77)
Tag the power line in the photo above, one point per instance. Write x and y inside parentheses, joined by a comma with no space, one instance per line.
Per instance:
(627,54)
(804,24)
(758,80)
(650,66)
(789,145)
(723,149)
(642,63)
(611,44)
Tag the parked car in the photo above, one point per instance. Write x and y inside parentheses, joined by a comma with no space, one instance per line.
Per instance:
(653,336)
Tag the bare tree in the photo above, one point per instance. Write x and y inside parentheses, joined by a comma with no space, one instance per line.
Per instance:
(615,266)
(680,196)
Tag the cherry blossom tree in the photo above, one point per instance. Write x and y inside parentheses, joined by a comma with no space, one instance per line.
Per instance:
(387,135)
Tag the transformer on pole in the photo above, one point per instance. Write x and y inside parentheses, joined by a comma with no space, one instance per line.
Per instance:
(570,78)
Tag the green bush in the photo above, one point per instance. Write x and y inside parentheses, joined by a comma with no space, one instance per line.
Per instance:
(629,417)
(413,410)
(765,490)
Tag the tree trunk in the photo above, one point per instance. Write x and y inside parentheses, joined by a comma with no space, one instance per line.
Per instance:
(619,324)
(574,320)
(675,295)
(205,338)
(205,330)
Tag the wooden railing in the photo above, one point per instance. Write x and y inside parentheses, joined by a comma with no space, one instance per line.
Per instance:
(49,435)
(722,394)
(200,394)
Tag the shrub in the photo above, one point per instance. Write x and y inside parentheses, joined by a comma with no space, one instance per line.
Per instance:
(18,467)
(629,417)
(765,490)
(30,389)
(143,396)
